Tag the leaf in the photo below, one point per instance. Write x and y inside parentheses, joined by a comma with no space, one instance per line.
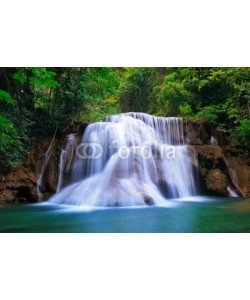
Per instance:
(6,97)
(19,75)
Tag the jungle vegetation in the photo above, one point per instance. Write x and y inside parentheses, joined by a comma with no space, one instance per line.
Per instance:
(37,101)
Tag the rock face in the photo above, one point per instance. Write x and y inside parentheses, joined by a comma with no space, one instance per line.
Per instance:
(239,167)
(196,132)
(212,170)
(20,184)
(216,181)
(218,166)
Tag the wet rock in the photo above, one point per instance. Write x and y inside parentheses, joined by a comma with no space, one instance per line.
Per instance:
(197,132)
(18,186)
(209,157)
(239,168)
(216,182)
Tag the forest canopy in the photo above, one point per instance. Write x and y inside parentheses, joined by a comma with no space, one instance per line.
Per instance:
(37,101)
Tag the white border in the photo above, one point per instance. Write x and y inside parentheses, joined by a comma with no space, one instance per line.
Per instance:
(124,33)
(124,267)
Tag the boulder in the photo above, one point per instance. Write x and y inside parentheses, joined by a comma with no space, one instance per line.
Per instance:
(18,186)
(196,132)
(216,182)
(211,165)
(239,168)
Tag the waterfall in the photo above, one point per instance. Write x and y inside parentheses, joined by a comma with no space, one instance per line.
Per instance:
(39,181)
(213,141)
(130,159)
(230,190)
(233,178)
(65,156)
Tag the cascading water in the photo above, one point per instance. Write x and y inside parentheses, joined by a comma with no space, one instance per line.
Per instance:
(66,157)
(231,192)
(39,181)
(213,141)
(130,159)
(233,177)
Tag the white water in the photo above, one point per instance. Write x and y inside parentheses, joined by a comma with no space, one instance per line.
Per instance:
(213,141)
(144,161)
(39,181)
(231,192)
(233,177)
(64,156)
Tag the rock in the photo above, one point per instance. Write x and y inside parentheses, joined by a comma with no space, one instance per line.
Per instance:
(50,177)
(240,171)
(7,196)
(209,152)
(210,160)
(209,157)
(18,186)
(216,182)
(196,132)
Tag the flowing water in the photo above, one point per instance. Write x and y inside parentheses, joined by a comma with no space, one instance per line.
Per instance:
(231,192)
(65,160)
(39,181)
(130,159)
(213,141)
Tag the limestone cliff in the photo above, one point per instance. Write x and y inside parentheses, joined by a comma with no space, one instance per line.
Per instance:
(218,166)
(20,185)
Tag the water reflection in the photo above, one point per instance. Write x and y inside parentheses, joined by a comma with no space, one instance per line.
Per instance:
(185,215)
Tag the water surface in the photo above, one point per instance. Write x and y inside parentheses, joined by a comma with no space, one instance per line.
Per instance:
(190,215)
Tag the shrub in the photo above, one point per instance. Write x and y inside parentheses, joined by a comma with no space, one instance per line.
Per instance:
(210,113)
(243,132)
(186,110)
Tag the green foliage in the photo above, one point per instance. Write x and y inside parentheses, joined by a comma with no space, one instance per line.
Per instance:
(20,76)
(186,110)
(6,97)
(42,78)
(138,88)
(82,92)
(218,95)
(9,153)
(172,95)
(9,150)
(36,101)
(98,84)
(243,132)
(99,111)
(210,113)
